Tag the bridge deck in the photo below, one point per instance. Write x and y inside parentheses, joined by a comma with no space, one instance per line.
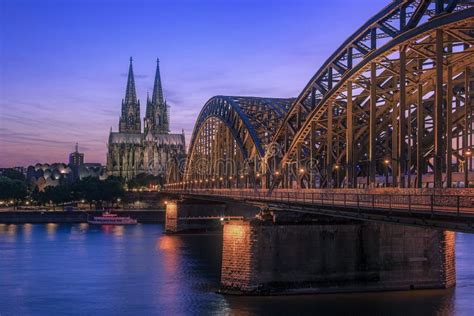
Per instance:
(447,211)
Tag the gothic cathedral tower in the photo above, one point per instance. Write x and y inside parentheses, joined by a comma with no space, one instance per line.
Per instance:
(132,152)
(157,117)
(130,119)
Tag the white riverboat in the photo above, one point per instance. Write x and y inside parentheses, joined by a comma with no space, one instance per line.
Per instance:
(108,218)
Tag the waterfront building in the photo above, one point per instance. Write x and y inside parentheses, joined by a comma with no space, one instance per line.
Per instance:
(132,151)
(76,160)
(43,175)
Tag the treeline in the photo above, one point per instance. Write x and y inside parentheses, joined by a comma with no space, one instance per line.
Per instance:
(89,190)
(145,181)
(14,188)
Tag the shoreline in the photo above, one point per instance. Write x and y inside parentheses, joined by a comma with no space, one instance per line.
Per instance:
(78,216)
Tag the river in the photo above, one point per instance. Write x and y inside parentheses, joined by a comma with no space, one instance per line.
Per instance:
(57,269)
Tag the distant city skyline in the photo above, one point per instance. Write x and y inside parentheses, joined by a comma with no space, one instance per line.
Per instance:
(63,64)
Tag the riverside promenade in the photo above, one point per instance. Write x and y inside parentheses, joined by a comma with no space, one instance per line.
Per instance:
(79,216)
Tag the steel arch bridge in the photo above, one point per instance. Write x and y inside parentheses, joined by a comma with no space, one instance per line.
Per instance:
(391,106)
(230,138)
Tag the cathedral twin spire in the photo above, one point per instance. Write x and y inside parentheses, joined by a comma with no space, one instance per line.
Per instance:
(130,117)
(130,93)
(156,116)
(157,97)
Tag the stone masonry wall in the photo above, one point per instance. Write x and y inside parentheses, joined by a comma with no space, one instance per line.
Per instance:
(237,256)
(263,258)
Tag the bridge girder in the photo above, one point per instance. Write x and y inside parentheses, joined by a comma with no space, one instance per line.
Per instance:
(314,137)
(396,97)
(230,138)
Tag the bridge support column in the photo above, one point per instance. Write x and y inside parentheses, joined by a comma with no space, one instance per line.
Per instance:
(263,257)
(188,216)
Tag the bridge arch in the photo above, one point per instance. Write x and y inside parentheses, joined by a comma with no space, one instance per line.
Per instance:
(383,103)
(229,140)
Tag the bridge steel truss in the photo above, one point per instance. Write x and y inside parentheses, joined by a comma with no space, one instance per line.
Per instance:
(229,140)
(394,99)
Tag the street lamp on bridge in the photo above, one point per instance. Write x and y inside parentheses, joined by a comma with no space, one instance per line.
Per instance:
(386,163)
(467,157)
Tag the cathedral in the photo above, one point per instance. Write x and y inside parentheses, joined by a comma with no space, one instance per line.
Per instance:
(132,151)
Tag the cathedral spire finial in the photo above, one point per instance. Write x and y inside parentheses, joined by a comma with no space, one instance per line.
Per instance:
(157,97)
(130,93)
(130,118)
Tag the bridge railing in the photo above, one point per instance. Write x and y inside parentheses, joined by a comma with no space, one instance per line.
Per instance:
(433,203)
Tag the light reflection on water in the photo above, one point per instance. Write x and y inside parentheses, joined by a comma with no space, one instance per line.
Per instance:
(130,270)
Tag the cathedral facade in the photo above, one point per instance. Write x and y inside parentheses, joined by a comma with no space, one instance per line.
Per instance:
(132,151)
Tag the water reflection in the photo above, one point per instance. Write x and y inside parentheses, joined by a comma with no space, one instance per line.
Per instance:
(429,302)
(138,270)
(171,286)
(27,232)
(83,226)
(51,229)
(114,230)
(11,230)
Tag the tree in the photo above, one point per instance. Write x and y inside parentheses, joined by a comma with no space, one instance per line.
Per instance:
(13,174)
(40,197)
(15,190)
(111,190)
(5,187)
(87,189)
(92,190)
(61,194)
(143,180)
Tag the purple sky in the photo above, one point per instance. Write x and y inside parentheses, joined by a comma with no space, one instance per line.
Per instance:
(63,63)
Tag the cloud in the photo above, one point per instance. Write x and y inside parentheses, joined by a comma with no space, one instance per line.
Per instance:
(137,76)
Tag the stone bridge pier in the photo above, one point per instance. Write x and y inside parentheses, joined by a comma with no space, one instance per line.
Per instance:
(270,254)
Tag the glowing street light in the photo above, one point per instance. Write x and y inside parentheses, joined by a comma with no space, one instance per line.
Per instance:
(387,163)
(301,170)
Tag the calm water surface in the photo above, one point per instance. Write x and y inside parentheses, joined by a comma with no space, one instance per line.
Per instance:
(82,270)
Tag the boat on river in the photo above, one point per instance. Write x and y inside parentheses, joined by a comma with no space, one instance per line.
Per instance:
(108,218)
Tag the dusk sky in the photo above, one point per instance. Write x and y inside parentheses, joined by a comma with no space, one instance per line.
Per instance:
(63,64)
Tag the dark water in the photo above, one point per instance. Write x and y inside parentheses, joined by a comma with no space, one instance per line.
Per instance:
(136,270)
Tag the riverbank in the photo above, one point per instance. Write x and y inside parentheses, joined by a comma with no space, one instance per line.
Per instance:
(33,217)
